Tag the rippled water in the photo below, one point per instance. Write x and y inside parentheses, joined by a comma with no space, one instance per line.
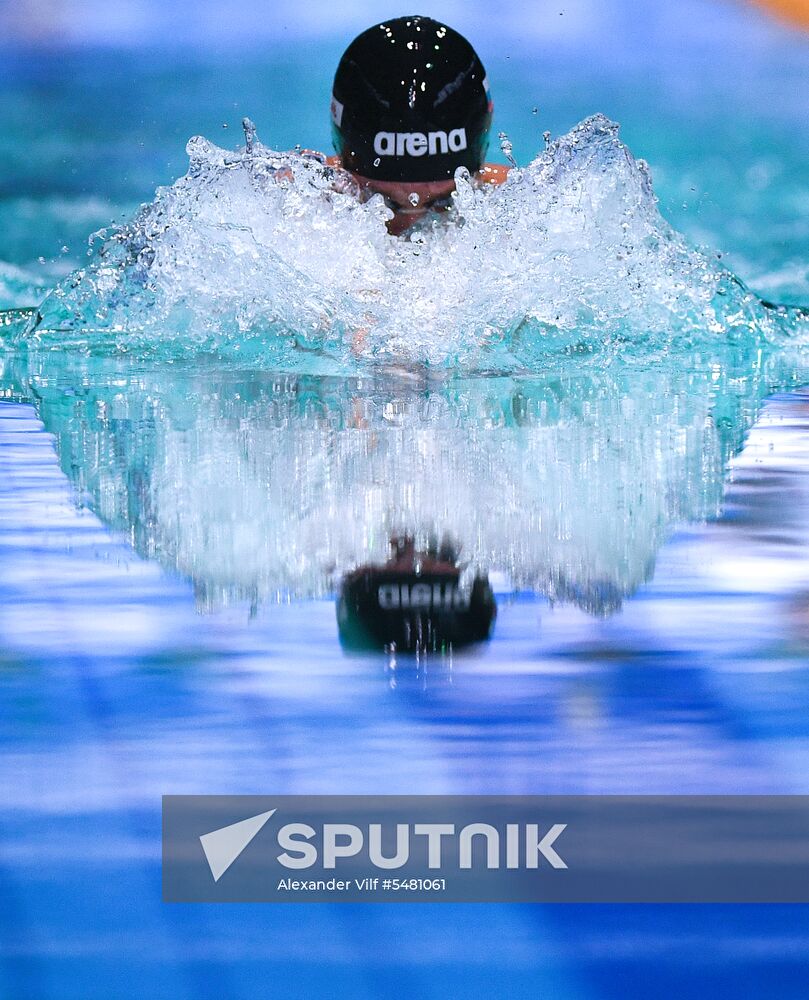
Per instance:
(212,417)
(259,486)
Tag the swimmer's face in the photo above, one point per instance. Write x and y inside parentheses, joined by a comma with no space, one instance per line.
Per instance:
(399,192)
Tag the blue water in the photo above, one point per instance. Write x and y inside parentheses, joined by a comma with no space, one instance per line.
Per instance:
(144,652)
(117,692)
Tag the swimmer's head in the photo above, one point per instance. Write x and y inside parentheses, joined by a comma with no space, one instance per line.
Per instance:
(410,104)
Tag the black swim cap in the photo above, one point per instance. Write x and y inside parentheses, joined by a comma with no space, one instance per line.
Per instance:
(411,103)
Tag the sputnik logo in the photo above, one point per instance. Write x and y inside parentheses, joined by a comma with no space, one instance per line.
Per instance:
(223,846)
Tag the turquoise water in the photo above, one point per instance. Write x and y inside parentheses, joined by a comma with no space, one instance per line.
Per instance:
(184,478)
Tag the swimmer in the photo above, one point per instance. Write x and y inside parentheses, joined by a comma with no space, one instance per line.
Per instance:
(410,105)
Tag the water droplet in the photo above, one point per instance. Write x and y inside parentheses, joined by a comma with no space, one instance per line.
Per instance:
(547,137)
(413,198)
(224,124)
(535,111)
(506,147)
(377,161)
(249,134)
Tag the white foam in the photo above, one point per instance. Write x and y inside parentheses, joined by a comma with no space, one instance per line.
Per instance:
(270,255)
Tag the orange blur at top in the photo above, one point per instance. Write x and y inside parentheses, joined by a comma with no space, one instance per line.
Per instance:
(796,11)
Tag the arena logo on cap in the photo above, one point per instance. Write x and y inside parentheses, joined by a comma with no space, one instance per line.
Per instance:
(392,596)
(419,143)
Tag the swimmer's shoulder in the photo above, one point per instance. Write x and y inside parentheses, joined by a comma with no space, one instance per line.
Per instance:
(327,161)
(489,173)
(493,173)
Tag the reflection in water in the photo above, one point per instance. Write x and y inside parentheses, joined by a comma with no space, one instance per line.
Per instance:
(117,693)
(262,488)
(417,600)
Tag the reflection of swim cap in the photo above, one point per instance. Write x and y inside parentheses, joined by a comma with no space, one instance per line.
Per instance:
(410,103)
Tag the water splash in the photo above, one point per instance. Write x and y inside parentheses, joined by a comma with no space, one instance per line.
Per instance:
(626,367)
(250,135)
(274,258)
(507,148)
